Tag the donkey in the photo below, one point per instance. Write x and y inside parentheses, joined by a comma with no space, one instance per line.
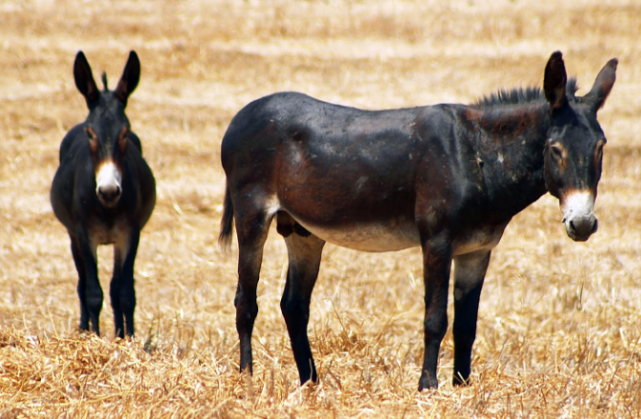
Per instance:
(104,193)
(448,178)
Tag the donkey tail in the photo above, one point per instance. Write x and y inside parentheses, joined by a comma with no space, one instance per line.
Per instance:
(226,223)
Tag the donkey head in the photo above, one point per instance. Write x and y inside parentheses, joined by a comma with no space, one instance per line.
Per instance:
(107,126)
(574,148)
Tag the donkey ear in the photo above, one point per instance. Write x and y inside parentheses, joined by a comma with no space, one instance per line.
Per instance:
(603,85)
(555,80)
(129,79)
(84,78)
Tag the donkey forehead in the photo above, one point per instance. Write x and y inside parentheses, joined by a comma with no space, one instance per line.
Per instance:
(109,104)
(577,127)
(106,123)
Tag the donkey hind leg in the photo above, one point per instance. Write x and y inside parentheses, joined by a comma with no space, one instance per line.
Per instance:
(437,261)
(89,290)
(122,290)
(252,232)
(469,273)
(304,250)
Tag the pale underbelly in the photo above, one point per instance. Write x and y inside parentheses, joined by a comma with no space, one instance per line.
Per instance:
(386,238)
(368,237)
(480,239)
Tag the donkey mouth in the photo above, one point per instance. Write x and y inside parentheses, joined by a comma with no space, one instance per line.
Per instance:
(109,195)
(578,214)
(580,229)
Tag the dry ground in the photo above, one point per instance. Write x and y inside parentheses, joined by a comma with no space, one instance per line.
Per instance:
(559,326)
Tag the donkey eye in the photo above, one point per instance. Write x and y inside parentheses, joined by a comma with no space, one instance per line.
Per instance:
(557,152)
(599,150)
(93,139)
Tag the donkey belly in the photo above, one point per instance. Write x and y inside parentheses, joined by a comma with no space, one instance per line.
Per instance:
(368,237)
(483,238)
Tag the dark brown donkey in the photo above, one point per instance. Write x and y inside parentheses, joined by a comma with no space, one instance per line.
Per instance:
(448,178)
(104,193)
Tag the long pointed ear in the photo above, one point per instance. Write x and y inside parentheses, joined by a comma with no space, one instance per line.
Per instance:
(555,80)
(603,85)
(129,79)
(84,78)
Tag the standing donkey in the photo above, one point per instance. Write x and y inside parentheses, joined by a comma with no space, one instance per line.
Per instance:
(448,178)
(104,193)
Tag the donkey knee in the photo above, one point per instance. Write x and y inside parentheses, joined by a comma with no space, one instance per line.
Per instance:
(94,306)
(436,326)
(464,334)
(463,346)
(296,313)
(127,302)
(245,315)
(94,302)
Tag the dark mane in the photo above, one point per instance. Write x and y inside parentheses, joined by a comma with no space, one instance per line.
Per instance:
(520,95)
(104,80)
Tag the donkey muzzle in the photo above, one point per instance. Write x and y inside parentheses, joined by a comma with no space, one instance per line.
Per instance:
(109,194)
(108,181)
(579,219)
(581,228)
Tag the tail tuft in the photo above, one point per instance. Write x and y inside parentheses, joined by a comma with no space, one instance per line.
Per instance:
(226,223)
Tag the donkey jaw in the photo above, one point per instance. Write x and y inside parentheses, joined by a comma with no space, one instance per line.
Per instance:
(578,214)
(108,184)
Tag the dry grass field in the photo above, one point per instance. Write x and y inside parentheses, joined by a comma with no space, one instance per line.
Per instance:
(559,325)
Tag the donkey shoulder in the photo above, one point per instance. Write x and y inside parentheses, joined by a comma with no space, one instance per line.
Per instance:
(72,137)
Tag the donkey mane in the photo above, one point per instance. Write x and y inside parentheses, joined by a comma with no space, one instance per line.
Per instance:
(521,95)
(104,80)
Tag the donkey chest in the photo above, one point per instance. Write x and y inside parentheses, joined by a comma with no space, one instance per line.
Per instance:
(108,232)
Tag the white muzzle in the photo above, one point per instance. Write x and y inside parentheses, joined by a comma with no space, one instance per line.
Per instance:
(578,215)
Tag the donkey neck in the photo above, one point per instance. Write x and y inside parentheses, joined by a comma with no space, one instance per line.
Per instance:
(510,149)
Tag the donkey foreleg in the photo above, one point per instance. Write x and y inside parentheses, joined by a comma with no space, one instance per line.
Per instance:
(437,260)
(89,289)
(122,289)
(469,273)
(304,262)
(82,283)
(114,293)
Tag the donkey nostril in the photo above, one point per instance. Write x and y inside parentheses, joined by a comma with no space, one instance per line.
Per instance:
(109,193)
(595,226)
(572,227)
